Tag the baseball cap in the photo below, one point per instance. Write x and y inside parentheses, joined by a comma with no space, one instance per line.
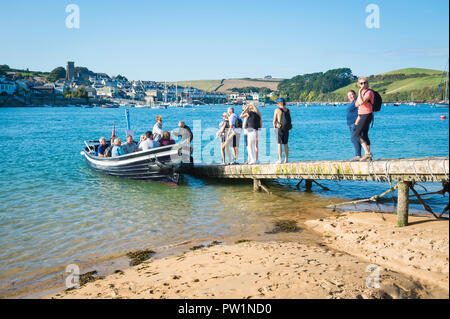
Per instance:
(281,100)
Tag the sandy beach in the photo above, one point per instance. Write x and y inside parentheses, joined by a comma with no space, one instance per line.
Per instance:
(352,248)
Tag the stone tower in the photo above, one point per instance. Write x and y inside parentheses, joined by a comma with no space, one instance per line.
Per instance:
(70,71)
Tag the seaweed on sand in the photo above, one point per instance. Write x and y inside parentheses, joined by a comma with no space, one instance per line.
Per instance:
(242,241)
(197,247)
(139,256)
(214,243)
(284,226)
(88,277)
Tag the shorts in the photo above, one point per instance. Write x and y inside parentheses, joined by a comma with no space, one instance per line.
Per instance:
(282,136)
(234,139)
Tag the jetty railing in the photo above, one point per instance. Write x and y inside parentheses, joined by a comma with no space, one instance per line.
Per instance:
(404,171)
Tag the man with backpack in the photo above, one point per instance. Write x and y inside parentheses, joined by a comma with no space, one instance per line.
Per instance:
(234,133)
(367,102)
(282,124)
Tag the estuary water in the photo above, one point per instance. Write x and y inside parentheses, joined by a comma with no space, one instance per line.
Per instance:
(54,211)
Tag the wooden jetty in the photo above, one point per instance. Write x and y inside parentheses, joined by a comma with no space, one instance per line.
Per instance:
(405,172)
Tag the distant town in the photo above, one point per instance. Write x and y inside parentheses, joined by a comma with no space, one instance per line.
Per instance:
(79,85)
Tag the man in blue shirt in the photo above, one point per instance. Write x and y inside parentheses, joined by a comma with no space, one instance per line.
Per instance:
(130,146)
(102,147)
(352,114)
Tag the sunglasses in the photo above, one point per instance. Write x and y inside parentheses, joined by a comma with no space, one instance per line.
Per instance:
(362,82)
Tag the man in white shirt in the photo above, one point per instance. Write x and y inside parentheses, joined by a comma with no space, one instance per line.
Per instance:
(148,143)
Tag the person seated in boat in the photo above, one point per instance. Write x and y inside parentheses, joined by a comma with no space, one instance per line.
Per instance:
(143,137)
(130,146)
(165,139)
(148,142)
(157,129)
(101,150)
(117,149)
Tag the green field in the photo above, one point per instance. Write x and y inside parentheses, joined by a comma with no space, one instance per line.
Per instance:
(420,83)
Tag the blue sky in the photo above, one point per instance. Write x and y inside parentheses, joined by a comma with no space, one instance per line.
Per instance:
(196,39)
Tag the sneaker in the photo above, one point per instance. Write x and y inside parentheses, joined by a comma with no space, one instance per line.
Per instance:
(367,157)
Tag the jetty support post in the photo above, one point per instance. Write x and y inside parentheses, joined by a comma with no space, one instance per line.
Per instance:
(402,203)
(256,185)
(308,185)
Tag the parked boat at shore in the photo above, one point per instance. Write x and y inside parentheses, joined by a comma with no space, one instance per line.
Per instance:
(110,106)
(159,164)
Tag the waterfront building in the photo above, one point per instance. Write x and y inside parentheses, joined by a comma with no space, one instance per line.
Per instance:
(106,91)
(8,87)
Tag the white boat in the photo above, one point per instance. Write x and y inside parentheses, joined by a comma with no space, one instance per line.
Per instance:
(141,106)
(159,107)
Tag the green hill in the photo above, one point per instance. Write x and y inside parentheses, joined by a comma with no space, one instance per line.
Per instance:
(398,85)
(227,85)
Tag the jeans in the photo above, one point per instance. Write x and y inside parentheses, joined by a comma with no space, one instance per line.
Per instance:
(355,140)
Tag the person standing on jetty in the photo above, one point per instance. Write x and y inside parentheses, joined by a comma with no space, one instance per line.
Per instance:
(282,124)
(186,139)
(157,129)
(364,103)
(234,133)
(224,126)
(245,130)
(185,132)
(352,115)
(254,124)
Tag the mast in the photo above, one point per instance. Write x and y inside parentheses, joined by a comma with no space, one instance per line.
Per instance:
(446,85)
(439,87)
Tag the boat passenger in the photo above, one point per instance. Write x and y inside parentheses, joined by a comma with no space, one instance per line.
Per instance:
(101,151)
(364,103)
(352,115)
(165,139)
(117,149)
(130,146)
(157,129)
(148,143)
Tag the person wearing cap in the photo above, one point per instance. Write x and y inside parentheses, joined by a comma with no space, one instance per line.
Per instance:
(282,125)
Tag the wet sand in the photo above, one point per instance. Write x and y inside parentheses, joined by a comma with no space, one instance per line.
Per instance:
(334,257)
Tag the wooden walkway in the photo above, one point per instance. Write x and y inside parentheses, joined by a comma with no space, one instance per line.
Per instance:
(405,172)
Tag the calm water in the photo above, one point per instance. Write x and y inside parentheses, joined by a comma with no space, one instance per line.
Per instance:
(54,211)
